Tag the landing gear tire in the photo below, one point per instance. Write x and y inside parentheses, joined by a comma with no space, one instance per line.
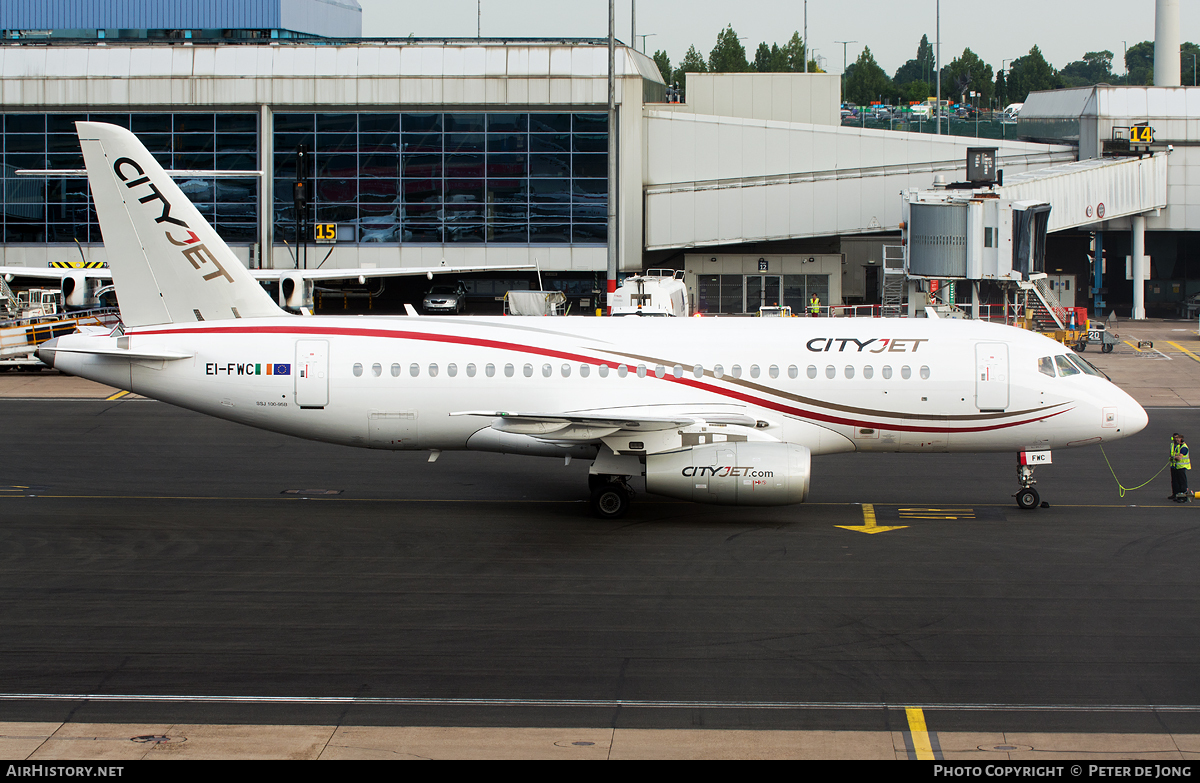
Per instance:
(610,501)
(1028,498)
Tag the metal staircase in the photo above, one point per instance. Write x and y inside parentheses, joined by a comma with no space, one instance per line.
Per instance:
(893,281)
(1047,313)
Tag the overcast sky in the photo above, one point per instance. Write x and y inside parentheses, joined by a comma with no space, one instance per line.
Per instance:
(996,31)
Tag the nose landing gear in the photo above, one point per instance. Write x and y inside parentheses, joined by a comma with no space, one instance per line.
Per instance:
(1027,497)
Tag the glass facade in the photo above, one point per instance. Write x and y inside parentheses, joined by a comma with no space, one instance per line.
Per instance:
(746,293)
(59,209)
(429,178)
(432,178)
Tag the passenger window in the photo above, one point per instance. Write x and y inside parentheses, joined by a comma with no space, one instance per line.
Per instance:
(622,370)
(774,371)
(831,372)
(924,373)
(754,371)
(1065,367)
(659,371)
(677,371)
(377,369)
(489,370)
(812,371)
(718,371)
(395,370)
(887,372)
(905,372)
(603,370)
(566,371)
(357,370)
(736,372)
(509,370)
(414,369)
(470,370)
(793,372)
(849,372)
(528,370)
(585,370)
(698,371)
(1046,366)
(452,370)
(433,370)
(547,371)
(641,371)
(868,372)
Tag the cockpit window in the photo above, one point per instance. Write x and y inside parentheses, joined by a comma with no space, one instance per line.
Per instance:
(1065,367)
(1083,365)
(1046,366)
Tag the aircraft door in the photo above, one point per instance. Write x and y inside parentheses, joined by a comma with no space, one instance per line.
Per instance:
(991,376)
(312,373)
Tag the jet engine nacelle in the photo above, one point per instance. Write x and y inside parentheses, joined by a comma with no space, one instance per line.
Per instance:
(733,474)
(75,289)
(295,292)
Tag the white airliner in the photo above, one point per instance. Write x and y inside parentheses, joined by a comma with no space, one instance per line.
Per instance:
(711,410)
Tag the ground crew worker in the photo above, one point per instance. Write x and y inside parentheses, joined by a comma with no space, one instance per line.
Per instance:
(814,306)
(1180,464)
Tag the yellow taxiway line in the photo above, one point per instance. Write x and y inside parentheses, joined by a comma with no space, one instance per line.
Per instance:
(922,747)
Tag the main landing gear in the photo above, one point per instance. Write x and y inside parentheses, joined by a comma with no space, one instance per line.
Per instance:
(610,495)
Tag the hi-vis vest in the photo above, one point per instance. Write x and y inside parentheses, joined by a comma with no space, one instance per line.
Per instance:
(814,305)
(1179,456)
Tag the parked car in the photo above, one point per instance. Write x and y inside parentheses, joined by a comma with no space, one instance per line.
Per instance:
(445,299)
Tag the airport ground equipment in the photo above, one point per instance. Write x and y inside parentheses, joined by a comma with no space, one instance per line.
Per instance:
(656,292)
(1098,334)
(535,303)
(20,337)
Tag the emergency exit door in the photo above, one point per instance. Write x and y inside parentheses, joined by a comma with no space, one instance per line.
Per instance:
(312,373)
(991,376)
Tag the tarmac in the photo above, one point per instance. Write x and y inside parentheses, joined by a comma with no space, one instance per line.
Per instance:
(1157,362)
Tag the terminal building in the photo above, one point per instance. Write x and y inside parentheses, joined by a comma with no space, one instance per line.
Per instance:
(489,152)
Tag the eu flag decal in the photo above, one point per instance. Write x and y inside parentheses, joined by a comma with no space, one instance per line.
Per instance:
(282,369)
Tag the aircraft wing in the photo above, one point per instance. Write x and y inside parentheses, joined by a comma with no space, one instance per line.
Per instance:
(363,274)
(596,425)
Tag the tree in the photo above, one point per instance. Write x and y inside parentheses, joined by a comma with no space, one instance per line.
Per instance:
(866,82)
(967,73)
(1187,66)
(1030,74)
(728,56)
(1139,63)
(664,65)
(693,62)
(1001,89)
(1094,68)
(762,58)
(920,68)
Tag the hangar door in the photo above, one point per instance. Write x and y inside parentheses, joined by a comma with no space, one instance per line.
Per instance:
(991,376)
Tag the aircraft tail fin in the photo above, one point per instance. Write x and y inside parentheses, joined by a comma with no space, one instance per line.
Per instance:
(167,262)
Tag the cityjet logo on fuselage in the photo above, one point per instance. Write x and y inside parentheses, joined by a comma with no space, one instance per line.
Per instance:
(889,344)
(193,249)
(726,471)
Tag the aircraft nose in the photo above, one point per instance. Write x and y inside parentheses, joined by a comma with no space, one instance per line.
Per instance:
(45,352)
(1135,418)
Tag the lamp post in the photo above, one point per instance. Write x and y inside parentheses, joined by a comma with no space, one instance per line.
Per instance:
(844,45)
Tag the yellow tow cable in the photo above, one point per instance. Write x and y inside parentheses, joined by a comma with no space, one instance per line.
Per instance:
(1123,489)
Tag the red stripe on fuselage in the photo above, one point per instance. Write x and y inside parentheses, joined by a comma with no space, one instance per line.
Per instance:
(479,342)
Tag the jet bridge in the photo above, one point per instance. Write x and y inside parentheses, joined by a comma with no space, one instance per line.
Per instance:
(997,233)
